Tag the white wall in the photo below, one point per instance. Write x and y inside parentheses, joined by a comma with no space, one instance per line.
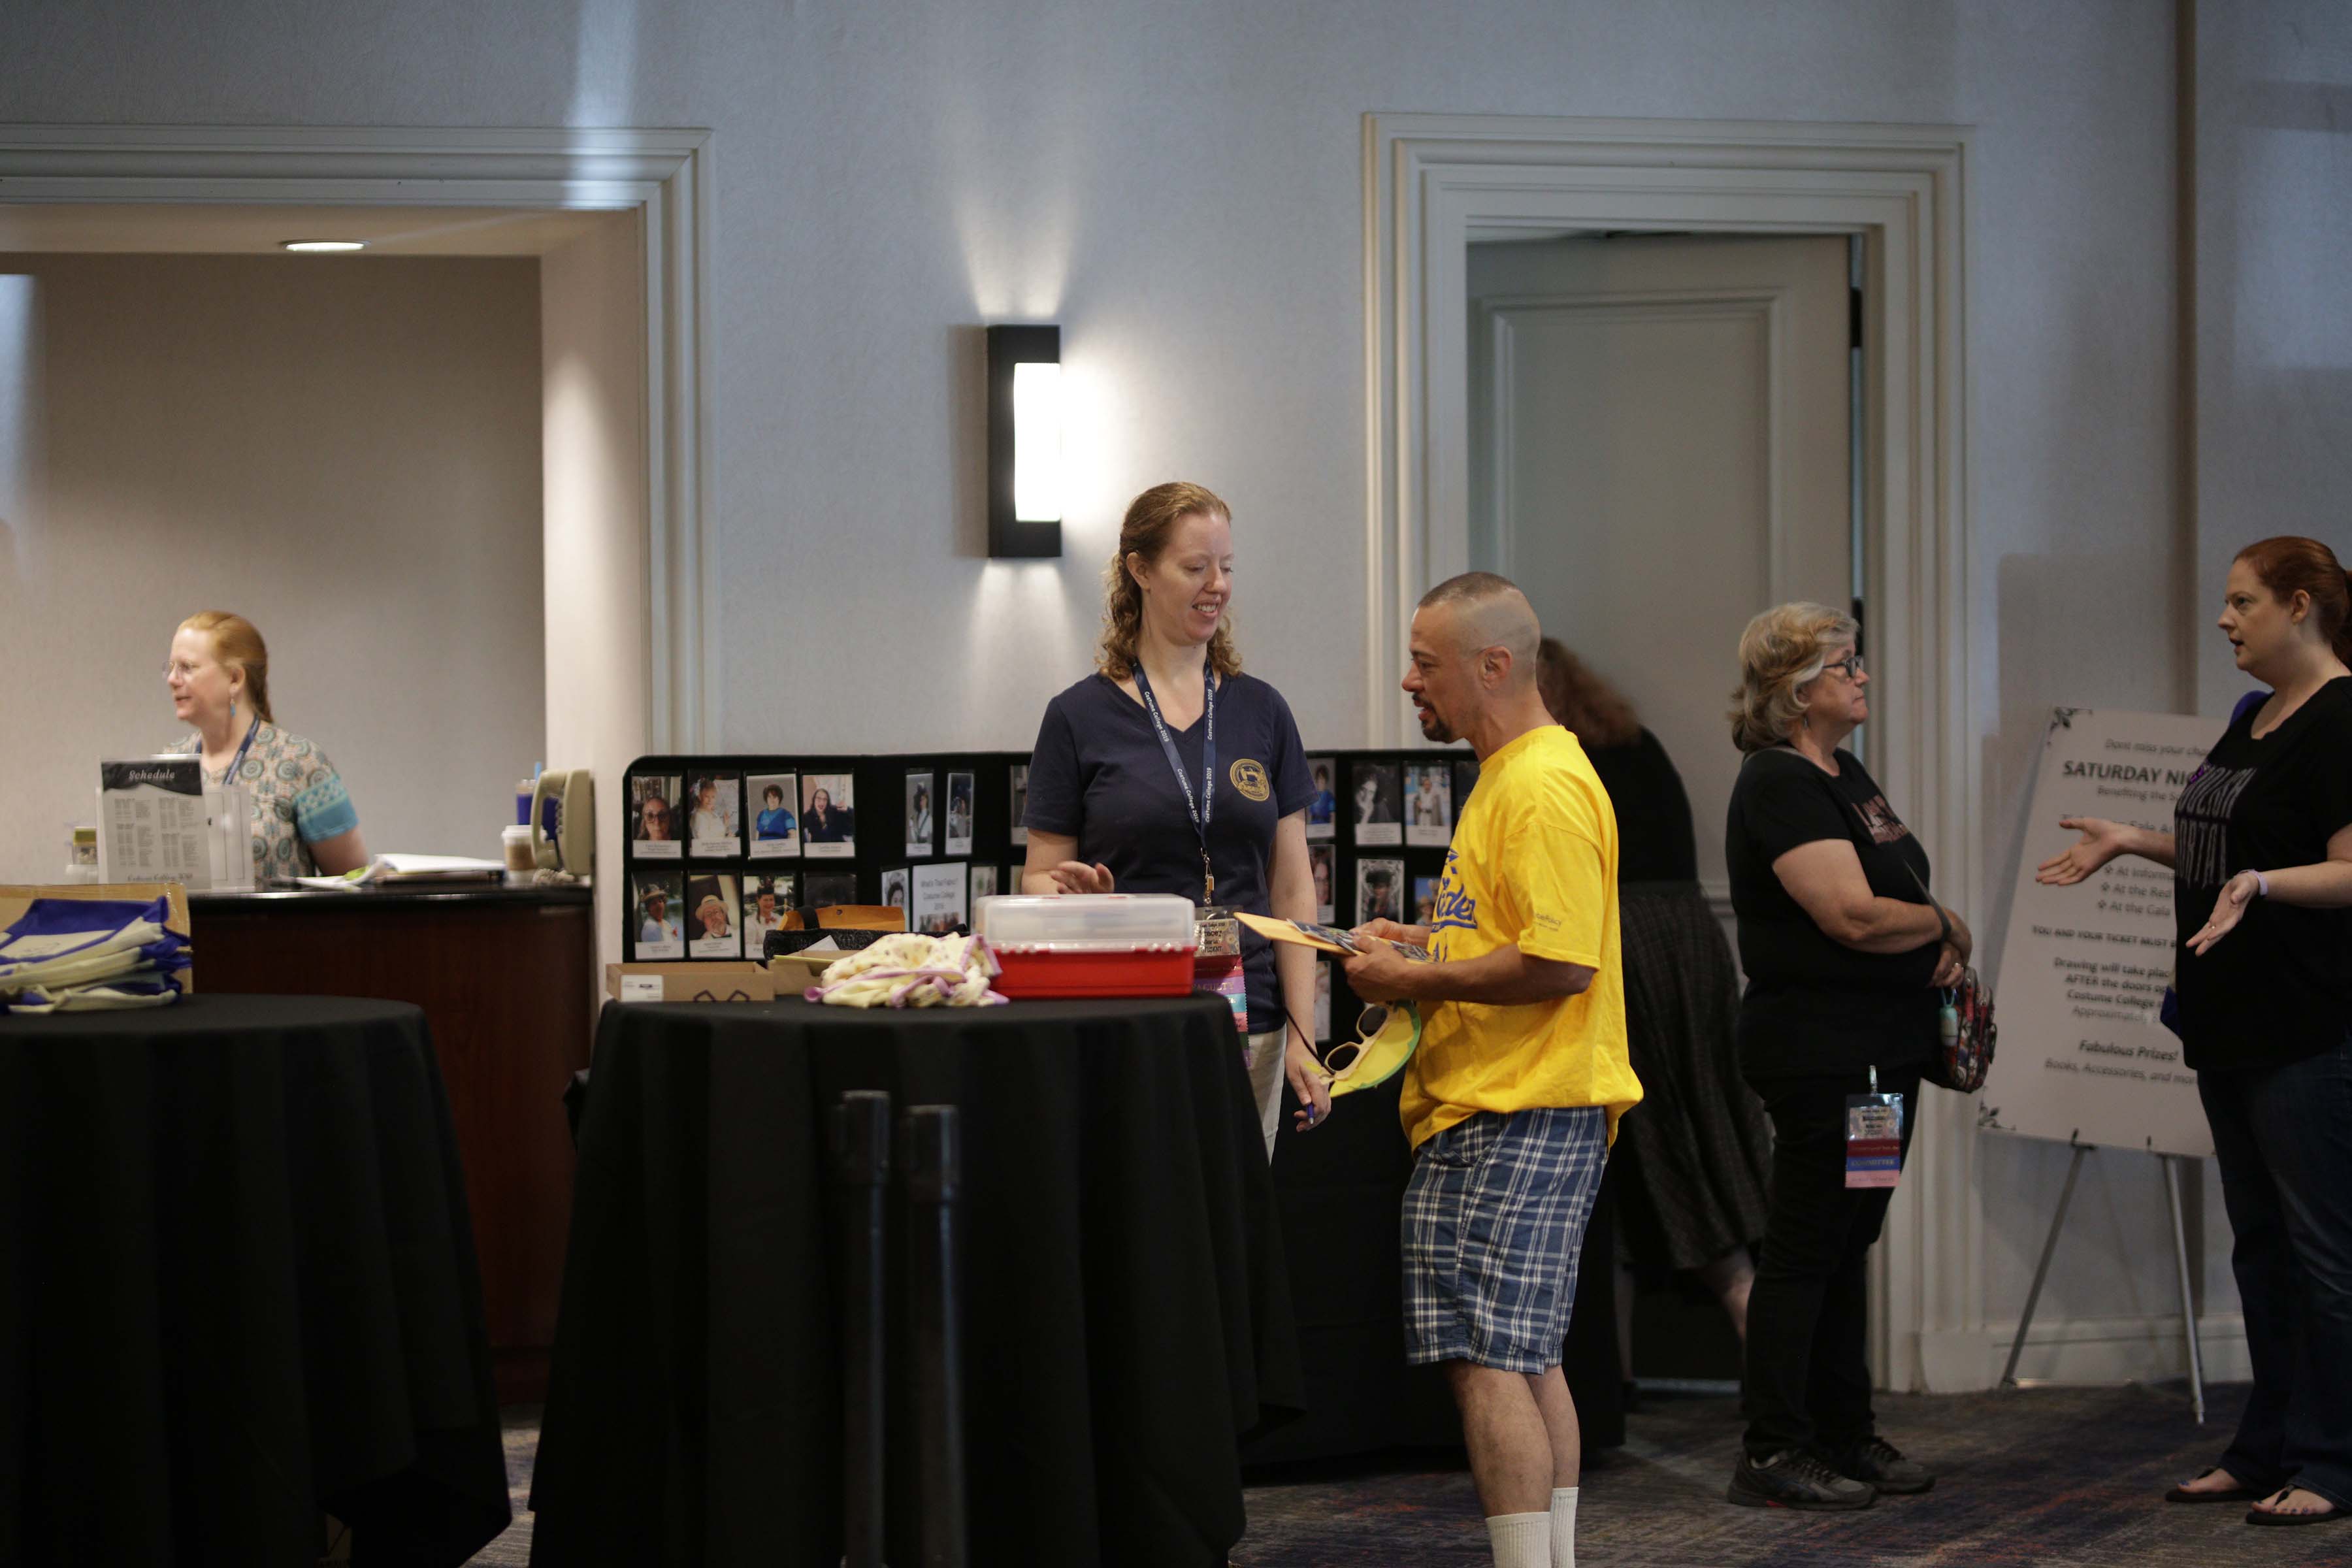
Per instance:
(346,453)
(1181,187)
(592,351)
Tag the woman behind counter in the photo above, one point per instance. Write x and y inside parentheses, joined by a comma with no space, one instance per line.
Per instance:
(1125,792)
(303,821)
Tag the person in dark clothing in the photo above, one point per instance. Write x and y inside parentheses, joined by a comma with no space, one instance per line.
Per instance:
(1693,1154)
(1842,944)
(2261,840)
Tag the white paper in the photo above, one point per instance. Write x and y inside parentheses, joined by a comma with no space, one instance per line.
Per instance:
(641,987)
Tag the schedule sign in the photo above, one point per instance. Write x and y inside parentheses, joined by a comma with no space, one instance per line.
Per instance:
(2084,969)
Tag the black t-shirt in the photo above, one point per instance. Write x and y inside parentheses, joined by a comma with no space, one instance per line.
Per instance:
(1814,1005)
(1099,776)
(2279,987)
(1655,842)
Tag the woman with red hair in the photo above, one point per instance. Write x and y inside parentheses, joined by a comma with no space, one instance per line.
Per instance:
(2261,840)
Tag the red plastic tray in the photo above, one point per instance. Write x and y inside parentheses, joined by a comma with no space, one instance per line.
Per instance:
(1036,973)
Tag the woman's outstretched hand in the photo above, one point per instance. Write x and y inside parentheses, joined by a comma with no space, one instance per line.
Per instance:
(2101,842)
(2228,911)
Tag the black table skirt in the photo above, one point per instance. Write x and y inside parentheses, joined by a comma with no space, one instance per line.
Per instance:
(239,1291)
(1127,1310)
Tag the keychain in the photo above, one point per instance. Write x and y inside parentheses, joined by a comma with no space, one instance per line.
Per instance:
(1873,1138)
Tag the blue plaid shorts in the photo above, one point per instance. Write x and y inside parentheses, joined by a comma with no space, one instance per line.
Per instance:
(1494,1220)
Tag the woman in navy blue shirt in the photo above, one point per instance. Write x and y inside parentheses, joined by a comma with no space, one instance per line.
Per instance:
(1168,732)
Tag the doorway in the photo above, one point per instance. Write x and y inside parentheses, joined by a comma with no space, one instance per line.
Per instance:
(1661,445)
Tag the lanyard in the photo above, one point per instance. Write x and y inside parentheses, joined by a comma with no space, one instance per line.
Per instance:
(229,776)
(1197,809)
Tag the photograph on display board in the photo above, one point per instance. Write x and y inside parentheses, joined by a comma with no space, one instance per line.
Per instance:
(776,822)
(714,817)
(660,926)
(1424,901)
(983,884)
(824,890)
(1020,779)
(939,898)
(1322,1004)
(1374,804)
(712,924)
(960,799)
(1466,774)
(652,817)
(1380,890)
(920,793)
(896,885)
(1322,805)
(766,901)
(1429,804)
(828,816)
(1320,867)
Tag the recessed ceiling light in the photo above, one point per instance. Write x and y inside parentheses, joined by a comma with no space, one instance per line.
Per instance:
(323,244)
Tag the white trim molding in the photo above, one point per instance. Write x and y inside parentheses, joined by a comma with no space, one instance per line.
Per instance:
(666,174)
(1432,183)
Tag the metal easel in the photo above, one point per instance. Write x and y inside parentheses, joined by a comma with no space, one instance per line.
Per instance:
(2179,1257)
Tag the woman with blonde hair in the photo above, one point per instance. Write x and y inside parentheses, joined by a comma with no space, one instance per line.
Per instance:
(1690,1163)
(303,821)
(1170,770)
(1844,947)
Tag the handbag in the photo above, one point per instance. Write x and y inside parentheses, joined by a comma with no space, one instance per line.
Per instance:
(1965,1028)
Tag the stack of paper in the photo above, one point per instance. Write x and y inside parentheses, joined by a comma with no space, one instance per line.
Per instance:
(70,955)
(386,869)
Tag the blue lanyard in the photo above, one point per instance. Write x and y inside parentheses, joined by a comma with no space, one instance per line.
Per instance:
(236,761)
(1197,809)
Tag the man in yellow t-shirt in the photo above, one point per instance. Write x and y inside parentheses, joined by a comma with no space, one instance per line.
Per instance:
(1514,1095)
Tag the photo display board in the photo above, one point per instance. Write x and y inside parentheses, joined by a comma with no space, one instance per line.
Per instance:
(720,847)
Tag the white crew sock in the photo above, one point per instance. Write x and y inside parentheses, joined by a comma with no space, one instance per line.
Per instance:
(1520,1540)
(1563,1527)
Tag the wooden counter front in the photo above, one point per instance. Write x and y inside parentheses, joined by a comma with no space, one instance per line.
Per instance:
(507,980)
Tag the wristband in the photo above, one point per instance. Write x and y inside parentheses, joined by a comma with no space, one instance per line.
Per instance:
(1944,920)
(2261,884)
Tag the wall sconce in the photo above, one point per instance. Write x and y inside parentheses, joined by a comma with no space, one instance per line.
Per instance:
(1024,442)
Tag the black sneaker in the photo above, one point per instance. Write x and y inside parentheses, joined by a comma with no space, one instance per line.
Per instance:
(1795,1479)
(1880,1464)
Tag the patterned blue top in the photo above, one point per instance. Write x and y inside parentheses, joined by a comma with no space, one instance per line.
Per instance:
(299,799)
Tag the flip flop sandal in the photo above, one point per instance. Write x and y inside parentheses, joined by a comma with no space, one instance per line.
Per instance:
(2235,1494)
(2287,1520)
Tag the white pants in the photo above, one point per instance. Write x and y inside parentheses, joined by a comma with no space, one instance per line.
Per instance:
(1264,1055)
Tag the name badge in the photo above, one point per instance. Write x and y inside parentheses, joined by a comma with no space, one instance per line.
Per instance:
(1874,1140)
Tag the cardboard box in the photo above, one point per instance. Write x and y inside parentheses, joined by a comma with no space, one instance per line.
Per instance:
(15,897)
(736,981)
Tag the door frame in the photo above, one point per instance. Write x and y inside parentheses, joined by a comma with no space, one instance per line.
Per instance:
(663,175)
(1432,183)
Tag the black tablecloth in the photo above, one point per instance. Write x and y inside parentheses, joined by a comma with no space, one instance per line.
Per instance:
(1127,1312)
(237,1289)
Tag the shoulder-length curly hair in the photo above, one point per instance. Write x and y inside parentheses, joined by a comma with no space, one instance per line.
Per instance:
(1151,517)
(1782,651)
(1587,705)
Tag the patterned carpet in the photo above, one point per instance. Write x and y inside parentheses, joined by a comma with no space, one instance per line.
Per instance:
(2050,1478)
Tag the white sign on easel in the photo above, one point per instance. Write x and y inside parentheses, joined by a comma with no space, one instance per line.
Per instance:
(2084,1057)
(2084,970)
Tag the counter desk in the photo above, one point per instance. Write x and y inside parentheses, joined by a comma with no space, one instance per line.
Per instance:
(507,978)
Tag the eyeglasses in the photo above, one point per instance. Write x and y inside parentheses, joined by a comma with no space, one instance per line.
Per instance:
(1369,1024)
(180,668)
(1850,666)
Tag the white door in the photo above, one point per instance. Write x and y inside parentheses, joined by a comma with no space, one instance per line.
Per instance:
(1659,450)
